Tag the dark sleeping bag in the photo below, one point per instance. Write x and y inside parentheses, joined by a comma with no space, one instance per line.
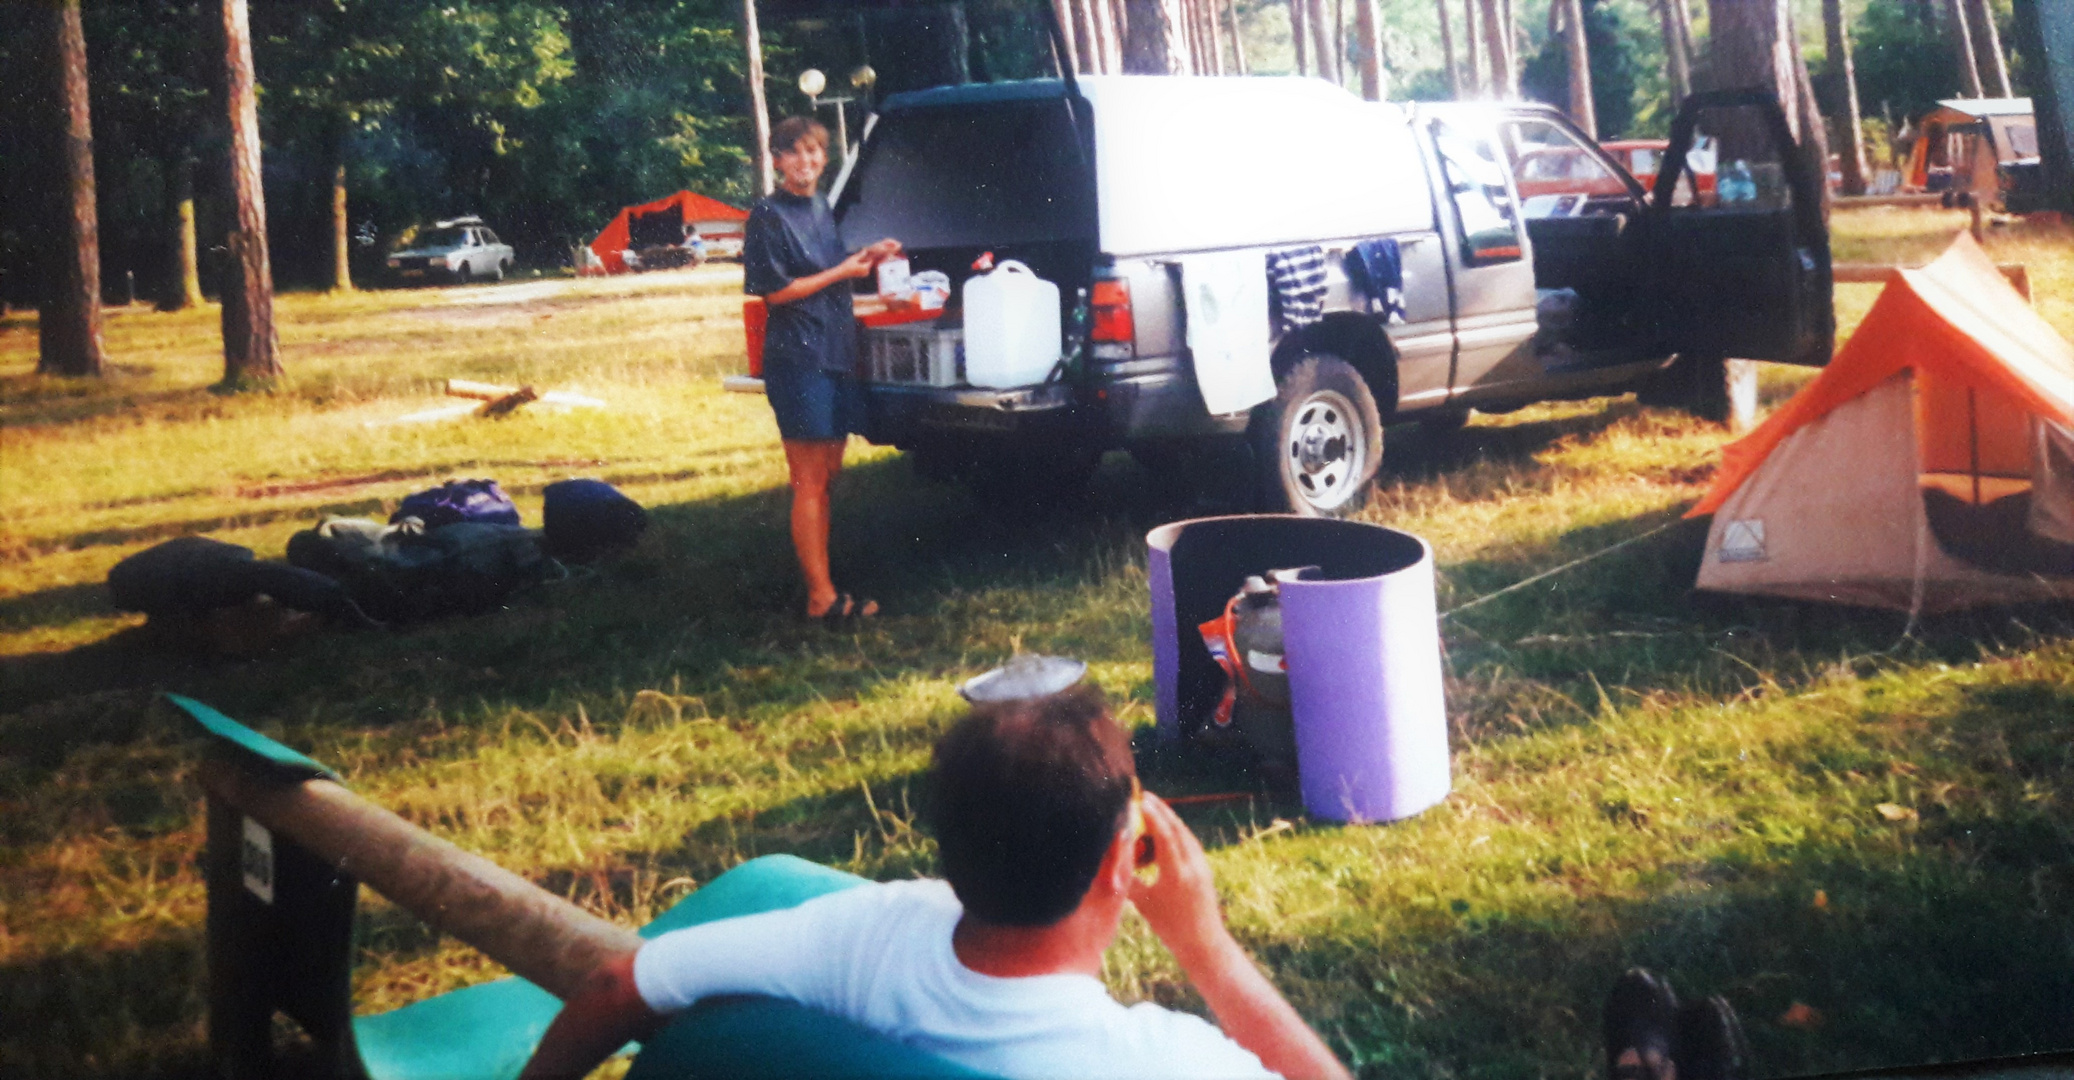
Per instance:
(407,572)
(194,575)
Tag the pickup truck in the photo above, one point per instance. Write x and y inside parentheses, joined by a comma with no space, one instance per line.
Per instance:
(1114,187)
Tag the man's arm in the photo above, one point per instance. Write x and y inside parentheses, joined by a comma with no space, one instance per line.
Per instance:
(1181,906)
(603,1015)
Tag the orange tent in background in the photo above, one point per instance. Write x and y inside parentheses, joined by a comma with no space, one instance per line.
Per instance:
(716,220)
(1929,467)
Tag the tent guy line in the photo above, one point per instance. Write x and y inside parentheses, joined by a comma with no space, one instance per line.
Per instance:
(1545,574)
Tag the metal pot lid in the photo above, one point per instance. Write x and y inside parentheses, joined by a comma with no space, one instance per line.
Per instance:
(1028,675)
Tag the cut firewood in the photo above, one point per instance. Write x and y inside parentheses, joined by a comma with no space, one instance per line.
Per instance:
(504,405)
(482,391)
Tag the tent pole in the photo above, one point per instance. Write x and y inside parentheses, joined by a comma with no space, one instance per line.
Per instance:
(1973,442)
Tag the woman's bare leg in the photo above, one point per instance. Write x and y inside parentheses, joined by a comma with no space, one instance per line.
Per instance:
(813,464)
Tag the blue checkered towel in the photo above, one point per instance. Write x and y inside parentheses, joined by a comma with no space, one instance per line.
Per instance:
(1376,267)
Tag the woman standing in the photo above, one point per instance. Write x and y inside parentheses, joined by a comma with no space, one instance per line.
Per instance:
(794,259)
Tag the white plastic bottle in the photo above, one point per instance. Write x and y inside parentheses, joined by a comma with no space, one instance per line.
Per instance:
(1011,327)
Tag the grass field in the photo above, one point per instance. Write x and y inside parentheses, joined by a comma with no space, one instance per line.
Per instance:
(1863,837)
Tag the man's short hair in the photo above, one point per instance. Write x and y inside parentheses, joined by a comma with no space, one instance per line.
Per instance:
(1024,798)
(787,135)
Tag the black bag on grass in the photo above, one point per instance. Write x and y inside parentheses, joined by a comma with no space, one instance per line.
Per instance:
(586,518)
(407,572)
(194,575)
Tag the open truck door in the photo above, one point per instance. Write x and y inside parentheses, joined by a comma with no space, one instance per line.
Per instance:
(1742,271)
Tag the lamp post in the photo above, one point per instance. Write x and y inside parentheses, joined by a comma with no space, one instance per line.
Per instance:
(812,82)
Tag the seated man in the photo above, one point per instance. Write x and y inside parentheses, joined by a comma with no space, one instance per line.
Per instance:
(1038,819)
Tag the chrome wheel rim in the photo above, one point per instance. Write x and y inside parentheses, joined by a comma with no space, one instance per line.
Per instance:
(1324,454)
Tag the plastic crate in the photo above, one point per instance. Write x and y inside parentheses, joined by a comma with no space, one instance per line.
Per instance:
(921,354)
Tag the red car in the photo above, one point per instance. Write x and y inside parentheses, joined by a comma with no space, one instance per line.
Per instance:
(1640,157)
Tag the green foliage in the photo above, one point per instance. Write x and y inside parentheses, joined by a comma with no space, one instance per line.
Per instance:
(1614,70)
(1904,66)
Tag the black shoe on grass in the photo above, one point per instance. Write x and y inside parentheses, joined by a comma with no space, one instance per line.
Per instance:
(1710,1042)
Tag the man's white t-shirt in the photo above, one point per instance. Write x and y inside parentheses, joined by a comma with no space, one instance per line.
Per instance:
(881,955)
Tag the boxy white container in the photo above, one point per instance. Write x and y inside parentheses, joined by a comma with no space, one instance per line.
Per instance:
(1011,328)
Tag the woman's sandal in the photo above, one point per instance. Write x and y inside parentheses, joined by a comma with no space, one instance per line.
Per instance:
(845,611)
(1642,1017)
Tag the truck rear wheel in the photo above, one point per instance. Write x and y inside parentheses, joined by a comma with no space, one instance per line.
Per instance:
(1318,444)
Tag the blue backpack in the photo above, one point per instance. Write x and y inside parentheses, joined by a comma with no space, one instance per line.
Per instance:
(479,502)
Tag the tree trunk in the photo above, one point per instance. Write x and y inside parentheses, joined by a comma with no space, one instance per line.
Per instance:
(1213,18)
(1496,52)
(1199,57)
(1581,107)
(341,224)
(1367,28)
(1300,35)
(1069,43)
(1154,45)
(1962,48)
(1754,41)
(1677,61)
(1512,34)
(1320,19)
(251,349)
(1238,38)
(68,327)
(1814,135)
(187,271)
(1089,38)
(759,115)
(1339,41)
(1987,44)
(1447,51)
(1837,37)
(1473,82)
(1686,48)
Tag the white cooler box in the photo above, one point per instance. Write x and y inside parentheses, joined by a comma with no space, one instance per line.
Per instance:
(918,353)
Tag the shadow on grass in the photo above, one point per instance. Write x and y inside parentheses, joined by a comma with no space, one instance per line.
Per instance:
(1413,452)
(145,998)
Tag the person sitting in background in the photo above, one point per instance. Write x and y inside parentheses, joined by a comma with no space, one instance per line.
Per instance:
(1039,820)
(793,257)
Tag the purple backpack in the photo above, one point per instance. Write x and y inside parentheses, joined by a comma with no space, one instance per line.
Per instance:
(456,501)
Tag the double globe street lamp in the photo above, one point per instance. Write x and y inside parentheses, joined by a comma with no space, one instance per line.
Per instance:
(812,82)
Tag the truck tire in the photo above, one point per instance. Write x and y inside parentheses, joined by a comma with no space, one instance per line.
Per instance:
(1318,444)
(462,276)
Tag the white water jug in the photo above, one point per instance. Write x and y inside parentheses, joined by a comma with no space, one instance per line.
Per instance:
(1011,327)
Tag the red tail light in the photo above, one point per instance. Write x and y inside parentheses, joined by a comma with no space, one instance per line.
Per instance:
(1110,302)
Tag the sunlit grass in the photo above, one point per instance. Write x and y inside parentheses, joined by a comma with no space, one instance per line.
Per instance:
(1641,777)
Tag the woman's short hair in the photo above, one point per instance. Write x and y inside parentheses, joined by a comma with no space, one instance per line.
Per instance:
(1025,798)
(786,136)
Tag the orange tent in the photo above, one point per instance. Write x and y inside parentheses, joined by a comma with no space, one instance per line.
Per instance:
(715,219)
(1929,467)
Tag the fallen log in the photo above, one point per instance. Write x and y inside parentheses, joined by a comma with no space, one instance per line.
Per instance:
(482,391)
(1879,273)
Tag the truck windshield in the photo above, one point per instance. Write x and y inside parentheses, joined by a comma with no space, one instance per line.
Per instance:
(976,174)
